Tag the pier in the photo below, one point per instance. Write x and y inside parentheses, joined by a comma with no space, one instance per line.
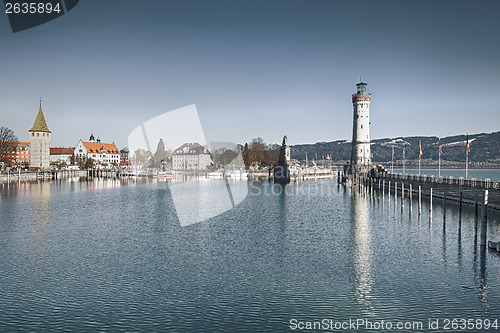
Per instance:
(56,175)
(483,195)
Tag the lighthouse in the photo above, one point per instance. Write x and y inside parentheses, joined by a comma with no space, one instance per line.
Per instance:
(360,155)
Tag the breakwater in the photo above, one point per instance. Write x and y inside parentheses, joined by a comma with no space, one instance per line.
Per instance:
(483,195)
(296,174)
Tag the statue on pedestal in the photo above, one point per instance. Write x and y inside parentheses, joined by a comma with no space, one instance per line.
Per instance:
(282,169)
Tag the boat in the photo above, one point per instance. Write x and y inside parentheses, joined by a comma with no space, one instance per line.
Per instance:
(161,175)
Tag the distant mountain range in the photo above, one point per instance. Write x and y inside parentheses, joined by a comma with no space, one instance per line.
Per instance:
(485,148)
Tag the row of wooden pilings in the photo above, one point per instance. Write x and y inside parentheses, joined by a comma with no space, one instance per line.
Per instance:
(103,173)
(382,185)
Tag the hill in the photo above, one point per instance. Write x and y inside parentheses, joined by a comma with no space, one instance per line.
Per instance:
(485,148)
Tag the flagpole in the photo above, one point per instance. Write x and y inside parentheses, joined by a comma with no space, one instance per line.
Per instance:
(466,164)
(419,155)
(392,161)
(439,164)
(467,158)
(403,161)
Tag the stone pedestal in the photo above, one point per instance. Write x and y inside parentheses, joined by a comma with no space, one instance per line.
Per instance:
(282,170)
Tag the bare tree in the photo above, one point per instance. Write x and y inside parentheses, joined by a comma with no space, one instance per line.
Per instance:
(7,136)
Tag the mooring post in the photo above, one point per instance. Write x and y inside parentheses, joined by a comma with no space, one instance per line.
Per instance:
(395,192)
(389,192)
(444,206)
(430,205)
(484,220)
(411,198)
(402,195)
(419,200)
(476,208)
(460,211)
(383,188)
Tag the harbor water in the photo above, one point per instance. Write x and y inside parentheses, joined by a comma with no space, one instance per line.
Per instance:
(112,256)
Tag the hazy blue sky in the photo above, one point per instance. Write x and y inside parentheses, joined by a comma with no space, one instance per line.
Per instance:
(255,68)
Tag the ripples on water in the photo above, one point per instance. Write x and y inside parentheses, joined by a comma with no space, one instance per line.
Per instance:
(107,257)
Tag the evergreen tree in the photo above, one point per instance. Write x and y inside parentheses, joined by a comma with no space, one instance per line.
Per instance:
(161,153)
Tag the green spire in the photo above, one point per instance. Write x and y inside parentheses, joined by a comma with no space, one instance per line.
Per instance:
(40,125)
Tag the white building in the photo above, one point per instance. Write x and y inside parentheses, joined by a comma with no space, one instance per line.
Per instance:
(361,158)
(39,136)
(191,156)
(61,155)
(101,153)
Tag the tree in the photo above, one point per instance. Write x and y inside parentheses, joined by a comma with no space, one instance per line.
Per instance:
(160,154)
(89,163)
(224,156)
(7,136)
(258,151)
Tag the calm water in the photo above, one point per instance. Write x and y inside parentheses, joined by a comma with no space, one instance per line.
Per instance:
(492,174)
(110,256)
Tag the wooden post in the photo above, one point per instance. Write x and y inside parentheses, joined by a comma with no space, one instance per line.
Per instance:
(444,206)
(476,208)
(430,205)
(389,192)
(419,200)
(484,220)
(383,188)
(402,195)
(411,198)
(460,211)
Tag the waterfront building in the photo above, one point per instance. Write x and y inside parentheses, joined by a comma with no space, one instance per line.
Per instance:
(39,136)
(19,153)
(61,155)
(104,154)
(191,156)
(124,157)
(361,158)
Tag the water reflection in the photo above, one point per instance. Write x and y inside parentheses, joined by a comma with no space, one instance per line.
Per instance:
(40,222)
(483,289)
(361,253)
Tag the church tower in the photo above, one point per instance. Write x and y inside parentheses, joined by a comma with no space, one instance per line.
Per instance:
(360,155)
(39,136)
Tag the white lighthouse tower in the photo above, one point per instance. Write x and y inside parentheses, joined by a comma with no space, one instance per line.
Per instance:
(360,155)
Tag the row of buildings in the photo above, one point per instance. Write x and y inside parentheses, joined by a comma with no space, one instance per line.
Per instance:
(37,153)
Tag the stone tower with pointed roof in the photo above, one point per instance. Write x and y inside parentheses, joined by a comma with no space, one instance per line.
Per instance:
(39,142)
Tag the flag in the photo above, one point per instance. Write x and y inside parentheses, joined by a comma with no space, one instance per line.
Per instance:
(329,157)
(440,148)
(403,152)
(420,146)
(393,152)
(468,147)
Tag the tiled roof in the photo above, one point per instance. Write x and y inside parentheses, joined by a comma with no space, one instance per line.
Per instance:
(40,125)
(62,151)
(16,143)
(191,149)
(97,147)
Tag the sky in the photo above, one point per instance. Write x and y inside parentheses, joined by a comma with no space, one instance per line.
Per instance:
(259,68)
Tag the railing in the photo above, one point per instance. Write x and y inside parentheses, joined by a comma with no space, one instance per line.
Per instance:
(470,182)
